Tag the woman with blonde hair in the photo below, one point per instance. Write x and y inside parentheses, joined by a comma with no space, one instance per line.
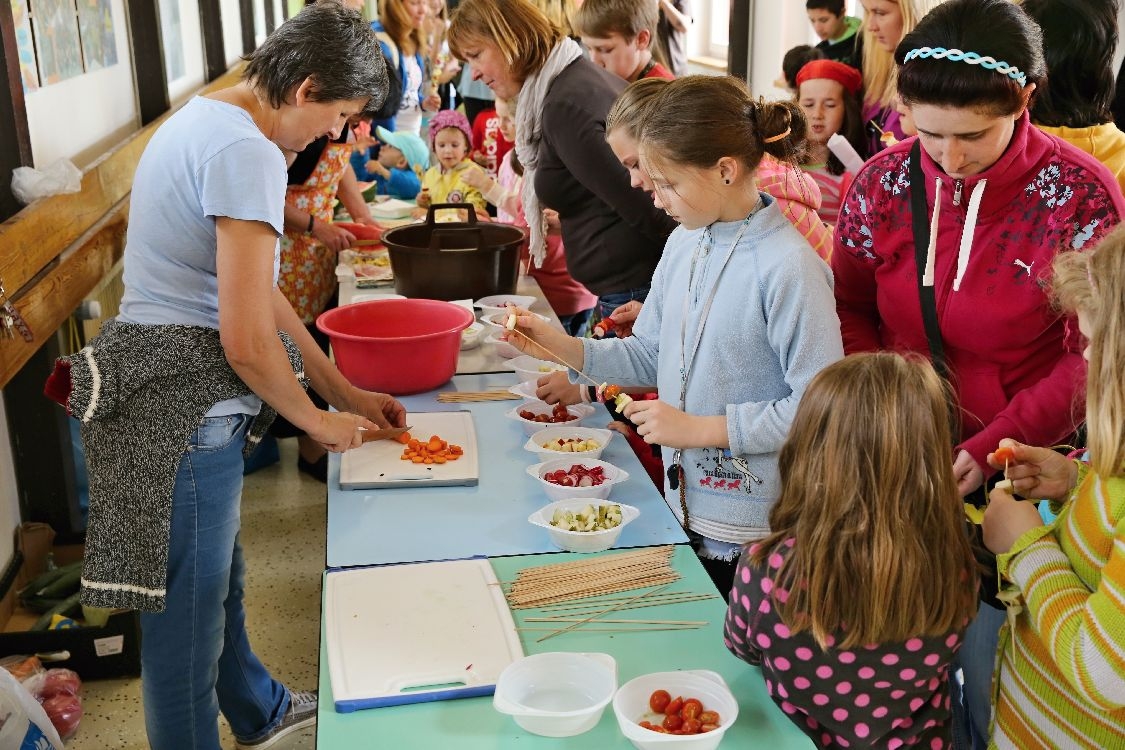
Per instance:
(1061,675)
(401,32)
(612,232)
(855,603)
(885,23)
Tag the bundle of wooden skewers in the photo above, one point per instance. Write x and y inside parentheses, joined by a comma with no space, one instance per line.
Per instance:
(472,397)
(579,594)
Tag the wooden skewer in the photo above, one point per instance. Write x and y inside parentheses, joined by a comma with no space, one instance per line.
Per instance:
(558,359)
(611,630)
(459,397)
(605,611)
(698,623)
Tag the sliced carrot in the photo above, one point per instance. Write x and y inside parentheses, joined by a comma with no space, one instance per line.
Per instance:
(404,438)
(417,459)
(439,459)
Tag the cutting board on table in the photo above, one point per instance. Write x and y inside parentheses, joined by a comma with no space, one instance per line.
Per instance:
(415,633)
(379,463)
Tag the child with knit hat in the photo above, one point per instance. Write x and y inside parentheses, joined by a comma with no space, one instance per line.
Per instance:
(828,92)
(451,141)
(402,160)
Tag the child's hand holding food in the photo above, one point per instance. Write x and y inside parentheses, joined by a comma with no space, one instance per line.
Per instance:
(1040,473)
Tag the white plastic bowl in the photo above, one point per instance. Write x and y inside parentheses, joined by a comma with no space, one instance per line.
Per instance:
(582,541)
(613,475)
(500,319)
(498,303)
(556,694)
(470,337)
(630,705)
(503,348)
(535,442)
(578,411)
(531,369)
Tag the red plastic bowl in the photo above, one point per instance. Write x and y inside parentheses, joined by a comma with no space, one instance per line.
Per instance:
(397,346)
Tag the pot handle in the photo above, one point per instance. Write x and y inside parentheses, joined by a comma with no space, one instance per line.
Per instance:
(437,234)
(436,206)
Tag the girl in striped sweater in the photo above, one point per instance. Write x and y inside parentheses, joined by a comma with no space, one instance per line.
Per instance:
(1061,674)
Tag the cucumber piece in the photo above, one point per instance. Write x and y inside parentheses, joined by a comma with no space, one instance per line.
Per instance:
(67,607)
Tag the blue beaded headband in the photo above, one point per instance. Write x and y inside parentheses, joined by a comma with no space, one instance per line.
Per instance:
(972,58)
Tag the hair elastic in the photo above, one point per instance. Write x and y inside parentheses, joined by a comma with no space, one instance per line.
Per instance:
(972,58)
(778,137)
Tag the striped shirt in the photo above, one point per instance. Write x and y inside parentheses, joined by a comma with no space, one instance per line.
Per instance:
(1061,679)
(832,189)
(799,199)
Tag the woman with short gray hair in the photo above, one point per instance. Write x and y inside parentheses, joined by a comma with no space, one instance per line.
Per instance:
(186,379)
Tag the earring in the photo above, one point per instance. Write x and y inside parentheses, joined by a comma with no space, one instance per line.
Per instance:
(726,181)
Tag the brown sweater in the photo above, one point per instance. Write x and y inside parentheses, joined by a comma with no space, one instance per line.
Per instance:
(612,232)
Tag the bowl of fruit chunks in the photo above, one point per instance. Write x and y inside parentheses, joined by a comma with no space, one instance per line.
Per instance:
(584,524)
(692,708)
(583,442)
(564,478)
(535,415)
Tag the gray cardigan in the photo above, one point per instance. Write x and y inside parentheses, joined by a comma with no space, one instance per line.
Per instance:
(772,327)
(141,391)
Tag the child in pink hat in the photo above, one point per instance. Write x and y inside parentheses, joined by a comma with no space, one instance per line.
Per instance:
(451,142)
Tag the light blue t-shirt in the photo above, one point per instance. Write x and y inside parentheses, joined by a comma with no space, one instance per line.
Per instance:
(209,159)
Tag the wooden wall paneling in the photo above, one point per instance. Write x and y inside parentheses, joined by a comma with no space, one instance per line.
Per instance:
(15,139)
(271,22)
(148,59)
(214,53)
(246,11)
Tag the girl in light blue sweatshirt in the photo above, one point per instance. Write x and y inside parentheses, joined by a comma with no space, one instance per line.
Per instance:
(740,318)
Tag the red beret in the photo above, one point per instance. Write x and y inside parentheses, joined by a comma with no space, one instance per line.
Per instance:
(845,75)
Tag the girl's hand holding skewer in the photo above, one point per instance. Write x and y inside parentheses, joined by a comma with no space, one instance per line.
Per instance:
(660,423)
(1039,473)
(536,337)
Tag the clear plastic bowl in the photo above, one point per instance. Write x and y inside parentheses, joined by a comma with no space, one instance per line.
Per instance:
(613,476)
(536,441)
(582,541)
(498,303)
(503,348)
(630,706)
(556,694)
(578,411)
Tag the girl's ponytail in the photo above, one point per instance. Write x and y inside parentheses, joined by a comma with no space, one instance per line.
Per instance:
(782,128)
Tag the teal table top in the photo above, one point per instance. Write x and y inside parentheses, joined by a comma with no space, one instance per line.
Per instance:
(472,723)
(374,527)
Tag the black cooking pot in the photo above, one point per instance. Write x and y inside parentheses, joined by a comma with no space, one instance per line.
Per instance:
(457,260)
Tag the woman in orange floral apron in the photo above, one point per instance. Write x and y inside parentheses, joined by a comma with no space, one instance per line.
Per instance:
(309,249)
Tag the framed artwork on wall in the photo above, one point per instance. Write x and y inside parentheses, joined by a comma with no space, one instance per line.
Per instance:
(25,45)
(95,25)
(57,42)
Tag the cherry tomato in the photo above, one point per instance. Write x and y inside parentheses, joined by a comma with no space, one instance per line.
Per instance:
(672,722)
(708,728)
(673,708)
(1004,454)
(691,726)
(692,709)
(659,700)
(709,717)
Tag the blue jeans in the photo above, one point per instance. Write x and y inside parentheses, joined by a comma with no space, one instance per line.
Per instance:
(195,656)
(972,702)
(607,303)
(576,324)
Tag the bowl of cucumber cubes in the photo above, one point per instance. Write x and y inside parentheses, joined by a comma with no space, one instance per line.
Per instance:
(584,524)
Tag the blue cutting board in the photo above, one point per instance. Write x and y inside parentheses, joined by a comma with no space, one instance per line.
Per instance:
(416,633)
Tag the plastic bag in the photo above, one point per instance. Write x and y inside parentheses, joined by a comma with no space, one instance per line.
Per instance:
(24,724)
(30,184)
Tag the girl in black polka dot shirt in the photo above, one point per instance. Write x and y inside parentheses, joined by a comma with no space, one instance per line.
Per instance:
(854,606)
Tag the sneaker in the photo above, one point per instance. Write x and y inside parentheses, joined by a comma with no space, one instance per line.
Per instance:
(301,713)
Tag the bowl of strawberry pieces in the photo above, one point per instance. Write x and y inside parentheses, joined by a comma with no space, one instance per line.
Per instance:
(566,478)
(535,415)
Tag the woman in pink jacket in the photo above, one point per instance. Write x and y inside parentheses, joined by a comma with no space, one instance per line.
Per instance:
(964,220)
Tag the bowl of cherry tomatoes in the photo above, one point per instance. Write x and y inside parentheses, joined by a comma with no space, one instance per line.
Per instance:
(535,415)
(692,708)
(566,478)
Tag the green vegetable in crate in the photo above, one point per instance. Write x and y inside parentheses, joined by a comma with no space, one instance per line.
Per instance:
(51,587)
(588,519)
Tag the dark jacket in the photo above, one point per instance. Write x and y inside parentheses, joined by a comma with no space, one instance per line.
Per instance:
(612,232)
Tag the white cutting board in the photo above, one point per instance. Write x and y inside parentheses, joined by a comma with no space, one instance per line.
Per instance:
(379,463)
(414,633)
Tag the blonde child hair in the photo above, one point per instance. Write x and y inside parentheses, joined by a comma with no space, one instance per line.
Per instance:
(1093,283)
(879,66)
(629,111)
(396,21)
(868,492)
